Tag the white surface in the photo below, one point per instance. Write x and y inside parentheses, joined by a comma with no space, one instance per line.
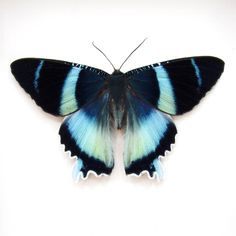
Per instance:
(37,194)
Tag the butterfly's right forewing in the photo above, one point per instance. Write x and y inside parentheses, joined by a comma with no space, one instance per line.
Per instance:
(176,86)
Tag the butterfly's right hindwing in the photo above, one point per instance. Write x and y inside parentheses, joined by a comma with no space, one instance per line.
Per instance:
(148,135)
(59,87)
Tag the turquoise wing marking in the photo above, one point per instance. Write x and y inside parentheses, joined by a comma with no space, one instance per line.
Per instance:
(148,134)
(88,135)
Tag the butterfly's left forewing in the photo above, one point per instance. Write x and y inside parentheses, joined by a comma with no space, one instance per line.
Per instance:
(58,87)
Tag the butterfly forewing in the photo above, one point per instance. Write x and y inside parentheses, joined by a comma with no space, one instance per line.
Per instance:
(59,87)
(176,86)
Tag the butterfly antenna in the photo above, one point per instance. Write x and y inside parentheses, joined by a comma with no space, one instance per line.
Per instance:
(132,52)
(104,55)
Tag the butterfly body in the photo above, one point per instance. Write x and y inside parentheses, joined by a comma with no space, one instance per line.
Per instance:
(117,85)
(117,89)
(139,102)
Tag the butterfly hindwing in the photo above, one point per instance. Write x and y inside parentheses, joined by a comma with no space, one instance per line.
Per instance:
(88,135)
(176,86)
(148,134)
(59,87)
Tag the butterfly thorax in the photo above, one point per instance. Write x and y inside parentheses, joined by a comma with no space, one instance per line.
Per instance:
(117,84)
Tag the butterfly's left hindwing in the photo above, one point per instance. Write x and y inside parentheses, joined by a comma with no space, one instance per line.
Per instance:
(87,134)
(59,87)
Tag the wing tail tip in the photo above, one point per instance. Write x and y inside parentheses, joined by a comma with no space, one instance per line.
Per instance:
(151,164)
(79,173)
(157,172)
(89,164)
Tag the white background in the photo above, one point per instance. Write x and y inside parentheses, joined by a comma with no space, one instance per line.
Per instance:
(37,194)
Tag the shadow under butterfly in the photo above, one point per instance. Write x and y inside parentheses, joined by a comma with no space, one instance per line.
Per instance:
(140,102)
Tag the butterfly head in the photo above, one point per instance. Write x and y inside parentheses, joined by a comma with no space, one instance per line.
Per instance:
(116,85)
(117,73)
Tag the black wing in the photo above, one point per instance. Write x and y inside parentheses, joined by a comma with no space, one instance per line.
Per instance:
(176,86)
(59,87)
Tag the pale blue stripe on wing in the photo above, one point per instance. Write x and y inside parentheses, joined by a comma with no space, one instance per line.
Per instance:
(146,137)
(37,75)
(197,72)
(90,137)
(68,98)
(166,101)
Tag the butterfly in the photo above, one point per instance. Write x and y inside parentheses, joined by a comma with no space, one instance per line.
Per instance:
(139,102)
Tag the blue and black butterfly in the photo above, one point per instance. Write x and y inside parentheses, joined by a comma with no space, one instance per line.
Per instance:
(139,102)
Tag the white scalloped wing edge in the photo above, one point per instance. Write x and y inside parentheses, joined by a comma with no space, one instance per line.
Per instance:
(81,176)
(155,175)
(144,172)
